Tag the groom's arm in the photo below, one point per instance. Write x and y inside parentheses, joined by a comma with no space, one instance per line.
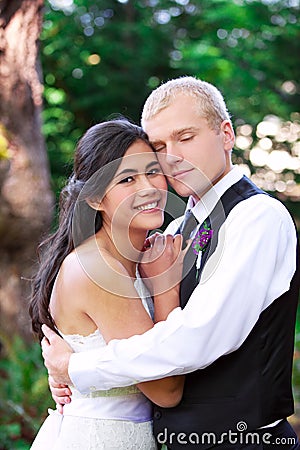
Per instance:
(56,350)
(195,337)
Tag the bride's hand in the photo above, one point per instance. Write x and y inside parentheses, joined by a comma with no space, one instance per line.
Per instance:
(61,394)
(161,262)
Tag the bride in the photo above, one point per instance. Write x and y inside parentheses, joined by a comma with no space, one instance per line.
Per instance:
(88,290)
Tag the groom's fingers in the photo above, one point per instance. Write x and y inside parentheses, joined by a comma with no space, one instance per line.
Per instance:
(48,333)
(45,343)
(56,353)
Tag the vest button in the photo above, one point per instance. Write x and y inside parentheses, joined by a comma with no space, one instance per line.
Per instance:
(157,415)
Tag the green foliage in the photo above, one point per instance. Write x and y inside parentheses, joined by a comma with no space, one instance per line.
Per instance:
(107,62)
(238,46)
(115,52)
(24,394)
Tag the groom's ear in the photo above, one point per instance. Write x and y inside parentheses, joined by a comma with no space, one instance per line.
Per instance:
(228,133)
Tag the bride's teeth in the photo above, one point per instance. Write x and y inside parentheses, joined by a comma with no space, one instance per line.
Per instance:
(149,206)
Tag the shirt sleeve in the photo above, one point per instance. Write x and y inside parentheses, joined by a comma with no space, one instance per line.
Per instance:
(252,266)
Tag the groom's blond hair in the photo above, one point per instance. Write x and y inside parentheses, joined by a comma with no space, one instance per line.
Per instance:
(209,99)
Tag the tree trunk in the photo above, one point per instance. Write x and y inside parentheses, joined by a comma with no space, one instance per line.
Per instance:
(25,193)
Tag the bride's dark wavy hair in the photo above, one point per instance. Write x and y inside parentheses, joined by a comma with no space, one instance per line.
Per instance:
(98,147)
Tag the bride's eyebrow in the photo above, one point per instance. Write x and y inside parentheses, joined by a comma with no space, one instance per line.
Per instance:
(127,171)
(154,163)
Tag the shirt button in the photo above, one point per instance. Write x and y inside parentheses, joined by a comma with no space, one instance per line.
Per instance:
(157,415)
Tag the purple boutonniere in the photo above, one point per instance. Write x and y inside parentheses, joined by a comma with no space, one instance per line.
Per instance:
(200,242)
(202,238)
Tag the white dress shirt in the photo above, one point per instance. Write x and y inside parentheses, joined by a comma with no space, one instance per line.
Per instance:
(253,265)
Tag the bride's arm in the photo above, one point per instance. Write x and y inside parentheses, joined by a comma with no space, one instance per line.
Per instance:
(119,317)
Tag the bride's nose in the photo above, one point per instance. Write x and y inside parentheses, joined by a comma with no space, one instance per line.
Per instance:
(146,187)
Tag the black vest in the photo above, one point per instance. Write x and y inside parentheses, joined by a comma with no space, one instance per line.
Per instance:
(251,384)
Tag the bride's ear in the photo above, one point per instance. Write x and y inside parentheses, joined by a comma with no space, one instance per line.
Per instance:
(95,204)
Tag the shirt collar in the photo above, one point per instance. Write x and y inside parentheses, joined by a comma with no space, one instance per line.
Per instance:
(206,204)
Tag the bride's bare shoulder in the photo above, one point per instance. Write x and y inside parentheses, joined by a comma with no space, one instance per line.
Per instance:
(96,265)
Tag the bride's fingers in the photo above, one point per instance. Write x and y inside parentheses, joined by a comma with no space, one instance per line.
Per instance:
(60,392)
(177,243)
(54,384)
(59,396)
(150,240)
(188,243)
(60,408)
(61,400)
(159,243)
(156,249)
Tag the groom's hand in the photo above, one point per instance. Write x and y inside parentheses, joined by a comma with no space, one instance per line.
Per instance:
(56,353)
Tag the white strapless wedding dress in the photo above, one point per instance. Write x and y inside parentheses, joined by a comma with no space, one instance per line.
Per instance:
(118,419)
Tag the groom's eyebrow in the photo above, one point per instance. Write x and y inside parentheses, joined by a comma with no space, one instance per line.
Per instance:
(178,133)
(175,134)
(158,141)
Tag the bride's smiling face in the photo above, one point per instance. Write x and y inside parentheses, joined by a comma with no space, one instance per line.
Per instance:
(136,196)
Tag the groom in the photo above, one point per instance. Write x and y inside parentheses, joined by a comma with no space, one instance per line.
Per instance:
(234,333)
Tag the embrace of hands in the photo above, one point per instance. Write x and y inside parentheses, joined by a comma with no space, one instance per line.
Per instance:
(160,267)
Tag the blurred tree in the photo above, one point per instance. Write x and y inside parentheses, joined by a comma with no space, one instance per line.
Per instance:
(25,198)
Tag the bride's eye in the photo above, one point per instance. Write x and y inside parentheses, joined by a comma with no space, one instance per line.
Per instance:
(126,180)
(154,171)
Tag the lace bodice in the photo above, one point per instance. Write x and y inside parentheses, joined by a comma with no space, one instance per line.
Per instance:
(93,341)
(80,343)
